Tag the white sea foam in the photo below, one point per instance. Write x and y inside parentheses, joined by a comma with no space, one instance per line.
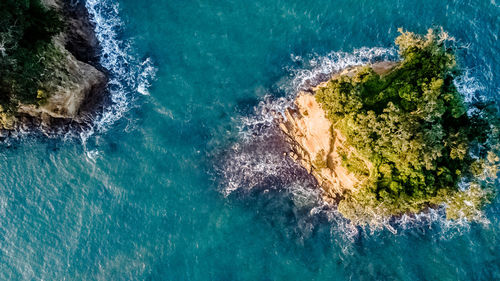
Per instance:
(146,76)
(128,75)
(318,67)
(258,157)
(469,87)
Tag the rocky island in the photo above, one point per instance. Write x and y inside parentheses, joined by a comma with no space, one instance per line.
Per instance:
(49,68)
(393,138)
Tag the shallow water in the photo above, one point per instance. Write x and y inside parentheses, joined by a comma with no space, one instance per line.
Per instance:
(159,190)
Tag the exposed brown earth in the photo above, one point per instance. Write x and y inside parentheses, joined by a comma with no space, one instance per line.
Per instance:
(318,146)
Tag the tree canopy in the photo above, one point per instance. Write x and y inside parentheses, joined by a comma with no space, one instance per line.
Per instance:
(26,31)
(415,128)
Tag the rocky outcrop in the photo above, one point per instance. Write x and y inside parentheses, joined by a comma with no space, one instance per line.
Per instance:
(80,38)
(73,81)
(76,76)
(316,145)
(319,147)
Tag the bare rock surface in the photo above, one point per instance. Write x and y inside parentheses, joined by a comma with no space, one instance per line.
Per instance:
(75,78)
(318,146)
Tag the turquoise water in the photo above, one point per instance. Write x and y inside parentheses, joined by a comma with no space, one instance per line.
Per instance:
(167,184)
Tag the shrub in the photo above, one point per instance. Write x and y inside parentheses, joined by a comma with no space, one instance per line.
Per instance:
(412,124)
(26,32)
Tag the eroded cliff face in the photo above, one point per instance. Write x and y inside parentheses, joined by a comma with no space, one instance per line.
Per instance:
(319,147)
(72,80)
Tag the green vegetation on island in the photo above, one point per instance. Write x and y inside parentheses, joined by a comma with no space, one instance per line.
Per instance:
(426,145)
(27,52)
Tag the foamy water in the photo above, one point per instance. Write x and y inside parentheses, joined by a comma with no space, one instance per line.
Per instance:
(139,199)
(261,125)
(129,76)
(259,154)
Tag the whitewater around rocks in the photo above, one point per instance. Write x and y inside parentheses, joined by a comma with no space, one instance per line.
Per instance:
(257,162)
(129,76)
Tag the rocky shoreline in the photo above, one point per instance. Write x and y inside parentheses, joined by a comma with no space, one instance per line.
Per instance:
(79,80)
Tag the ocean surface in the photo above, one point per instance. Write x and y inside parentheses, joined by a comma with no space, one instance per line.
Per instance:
(181,178)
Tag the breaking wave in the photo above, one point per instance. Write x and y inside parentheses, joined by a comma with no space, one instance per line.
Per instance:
(129,76)
(256,162)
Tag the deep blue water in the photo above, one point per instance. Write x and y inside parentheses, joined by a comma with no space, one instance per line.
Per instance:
(168,186)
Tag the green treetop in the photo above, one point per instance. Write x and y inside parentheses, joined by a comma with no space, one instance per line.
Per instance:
(26,50)
(413,125)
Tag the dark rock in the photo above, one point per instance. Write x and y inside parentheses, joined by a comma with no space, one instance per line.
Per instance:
(81,40)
